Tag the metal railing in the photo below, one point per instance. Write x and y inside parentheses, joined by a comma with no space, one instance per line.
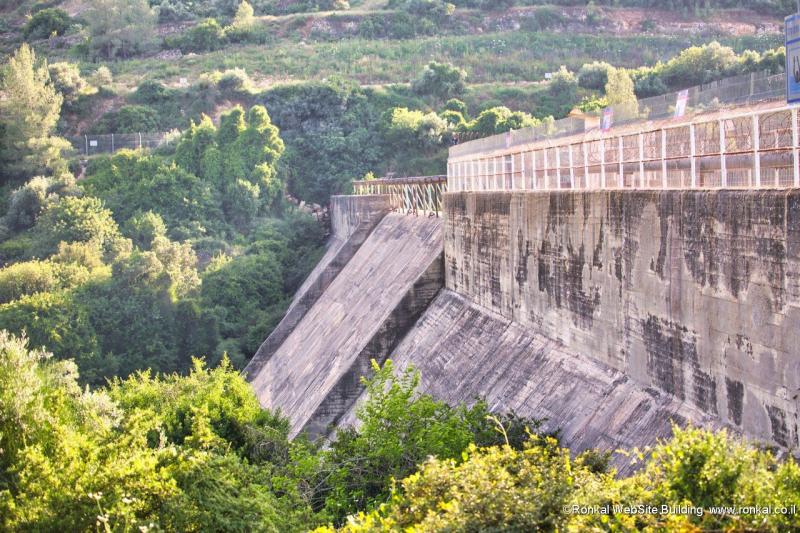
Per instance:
(108,143)
(751,88)
(754,149)
(413,195)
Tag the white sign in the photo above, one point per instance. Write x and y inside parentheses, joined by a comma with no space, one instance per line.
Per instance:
(93,142)
(792,25)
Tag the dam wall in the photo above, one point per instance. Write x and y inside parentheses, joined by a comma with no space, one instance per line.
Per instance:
(690,295)
(313,375)
(352,220)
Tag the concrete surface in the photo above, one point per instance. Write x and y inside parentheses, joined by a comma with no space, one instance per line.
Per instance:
(464,351)
(352,220)
(693,293)
(313,376)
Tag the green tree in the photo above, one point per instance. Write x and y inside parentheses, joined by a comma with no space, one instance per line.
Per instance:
(243,20)
(57,322)
(130,183)
(441,81)
(120,28)
(699,64)
(27,202)
(594,75)
(144,228)
(67,80)
(206,36)
(620,95)
(399,429)
(47,22)
(29,111)
(493,489)
(176,453)
(454,104)
(128,119)
(75,220)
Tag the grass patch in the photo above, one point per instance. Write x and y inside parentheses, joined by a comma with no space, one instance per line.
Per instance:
(495,57)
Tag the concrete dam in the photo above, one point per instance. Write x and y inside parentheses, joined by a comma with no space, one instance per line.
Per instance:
(610,313)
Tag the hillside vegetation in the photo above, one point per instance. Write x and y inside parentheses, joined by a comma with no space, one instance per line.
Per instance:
(117,270)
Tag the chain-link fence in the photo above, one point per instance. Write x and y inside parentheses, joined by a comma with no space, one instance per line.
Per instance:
(730,92)
(111,142)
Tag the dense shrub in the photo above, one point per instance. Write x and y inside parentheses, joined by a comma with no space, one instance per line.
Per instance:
(144,228)
(234,80)
(206,36)
(151,93)
(441,81)
(67,80)
(129,184)
(594,75)
(75,220)
(27,202)
(129,119)
(47,22)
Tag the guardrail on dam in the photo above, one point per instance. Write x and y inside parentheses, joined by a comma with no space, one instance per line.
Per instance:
(753,148)
(408,195)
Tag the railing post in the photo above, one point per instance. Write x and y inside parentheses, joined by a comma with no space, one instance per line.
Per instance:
(86,144)
(585,165)
(571,169)
(723,165)
(558,167)
(756,149)
(513,179)
(692,152)
(533,171)
(112,143)
(641,161)
(522,170)
(474,174)
(603,163)
(663,159)
(795,143)
(545,169)
(621,180)
(140,141)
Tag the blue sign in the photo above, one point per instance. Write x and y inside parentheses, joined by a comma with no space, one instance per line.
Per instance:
(792,26)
